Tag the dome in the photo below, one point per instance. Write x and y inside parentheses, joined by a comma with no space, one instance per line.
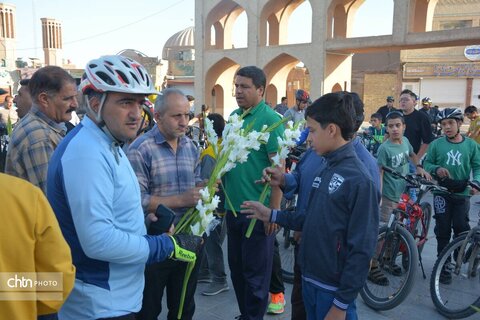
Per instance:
(182,39)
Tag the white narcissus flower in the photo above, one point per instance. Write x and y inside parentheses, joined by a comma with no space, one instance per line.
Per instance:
(242,155)
(201,208)
(205,194)
(209,131)
(215,201)
(213,204)
(276,160)
(196,229)
(292,134)
(284,152)
(286,143)
(264,137)
(206,221)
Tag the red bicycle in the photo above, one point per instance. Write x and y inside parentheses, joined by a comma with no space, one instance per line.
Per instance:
(406,230)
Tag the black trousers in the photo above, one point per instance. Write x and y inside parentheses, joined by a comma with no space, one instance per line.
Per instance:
(298,308)
(250,262)
(451,212)
(169,274)
(276,281)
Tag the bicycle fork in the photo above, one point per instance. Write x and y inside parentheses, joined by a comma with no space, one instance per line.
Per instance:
(470,255)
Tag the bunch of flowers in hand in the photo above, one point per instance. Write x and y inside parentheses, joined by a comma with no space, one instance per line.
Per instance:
(235,147)
(289,141)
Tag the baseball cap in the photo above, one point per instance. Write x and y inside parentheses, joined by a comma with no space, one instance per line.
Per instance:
(390,99)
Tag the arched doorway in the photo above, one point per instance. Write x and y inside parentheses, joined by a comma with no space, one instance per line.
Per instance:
(217,99)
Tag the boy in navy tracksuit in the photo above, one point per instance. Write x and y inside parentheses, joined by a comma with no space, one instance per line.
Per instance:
(340,225)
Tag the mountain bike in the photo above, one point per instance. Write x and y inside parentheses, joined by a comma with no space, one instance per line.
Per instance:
(461,260)
(401,240)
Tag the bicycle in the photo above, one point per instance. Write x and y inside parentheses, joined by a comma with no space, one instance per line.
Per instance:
(403,238)
(461,259)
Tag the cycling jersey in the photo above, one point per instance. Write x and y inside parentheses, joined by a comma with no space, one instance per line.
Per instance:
(96,198)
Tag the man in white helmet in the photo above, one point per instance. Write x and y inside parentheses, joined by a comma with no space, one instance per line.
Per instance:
(96,197)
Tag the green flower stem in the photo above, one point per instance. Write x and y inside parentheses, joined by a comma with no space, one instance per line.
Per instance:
(263,196)
(188,271)
(181,223)
(228,200)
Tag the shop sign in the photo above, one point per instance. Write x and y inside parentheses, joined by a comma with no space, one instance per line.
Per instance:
(472,53)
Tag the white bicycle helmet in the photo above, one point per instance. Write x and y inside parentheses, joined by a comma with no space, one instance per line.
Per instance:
(116,74)
(450,113)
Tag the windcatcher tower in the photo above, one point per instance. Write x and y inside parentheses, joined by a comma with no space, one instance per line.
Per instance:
(7,36)
(52,41)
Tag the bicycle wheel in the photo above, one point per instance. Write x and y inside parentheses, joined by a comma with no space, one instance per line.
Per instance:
(391,249)
(287,257)
(454,300)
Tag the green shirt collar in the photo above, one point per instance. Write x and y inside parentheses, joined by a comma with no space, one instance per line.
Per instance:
(260,106)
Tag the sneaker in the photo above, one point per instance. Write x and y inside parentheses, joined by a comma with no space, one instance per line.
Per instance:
(445,277)
(277,303)
(377,276)
(215,288)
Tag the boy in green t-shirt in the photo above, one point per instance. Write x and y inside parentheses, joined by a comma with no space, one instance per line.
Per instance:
(375,133)
(453,158)
(395,153)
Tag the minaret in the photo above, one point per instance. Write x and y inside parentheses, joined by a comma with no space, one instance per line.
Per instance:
(7,36)
(52,41)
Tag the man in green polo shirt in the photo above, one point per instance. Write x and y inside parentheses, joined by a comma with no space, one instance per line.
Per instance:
(250,260)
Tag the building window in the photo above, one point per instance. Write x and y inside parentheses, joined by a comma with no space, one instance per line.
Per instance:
(455,24)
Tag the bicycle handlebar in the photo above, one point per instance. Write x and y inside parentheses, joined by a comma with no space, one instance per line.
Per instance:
(415,180)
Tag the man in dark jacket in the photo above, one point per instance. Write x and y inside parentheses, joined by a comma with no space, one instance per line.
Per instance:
(386,109)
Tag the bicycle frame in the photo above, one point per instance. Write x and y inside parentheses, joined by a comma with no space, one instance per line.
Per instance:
(473,235)
(410,213)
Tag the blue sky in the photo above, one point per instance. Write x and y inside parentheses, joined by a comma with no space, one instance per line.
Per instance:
(96,27)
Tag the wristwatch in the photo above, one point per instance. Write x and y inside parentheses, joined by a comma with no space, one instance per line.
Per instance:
(419,166)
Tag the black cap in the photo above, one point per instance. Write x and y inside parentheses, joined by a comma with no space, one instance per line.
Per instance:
(3,91)
(390,99)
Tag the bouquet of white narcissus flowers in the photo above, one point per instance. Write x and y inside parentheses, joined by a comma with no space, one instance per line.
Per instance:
(235,147)
(289,141)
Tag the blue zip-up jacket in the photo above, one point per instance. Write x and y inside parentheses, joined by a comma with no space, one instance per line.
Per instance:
(340,227)
(96,198)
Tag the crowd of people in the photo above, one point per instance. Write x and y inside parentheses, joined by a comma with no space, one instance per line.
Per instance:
(92,191)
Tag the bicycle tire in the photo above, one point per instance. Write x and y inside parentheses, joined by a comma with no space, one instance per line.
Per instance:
(388,297)
(427,218)
(286,257)
(455,303)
